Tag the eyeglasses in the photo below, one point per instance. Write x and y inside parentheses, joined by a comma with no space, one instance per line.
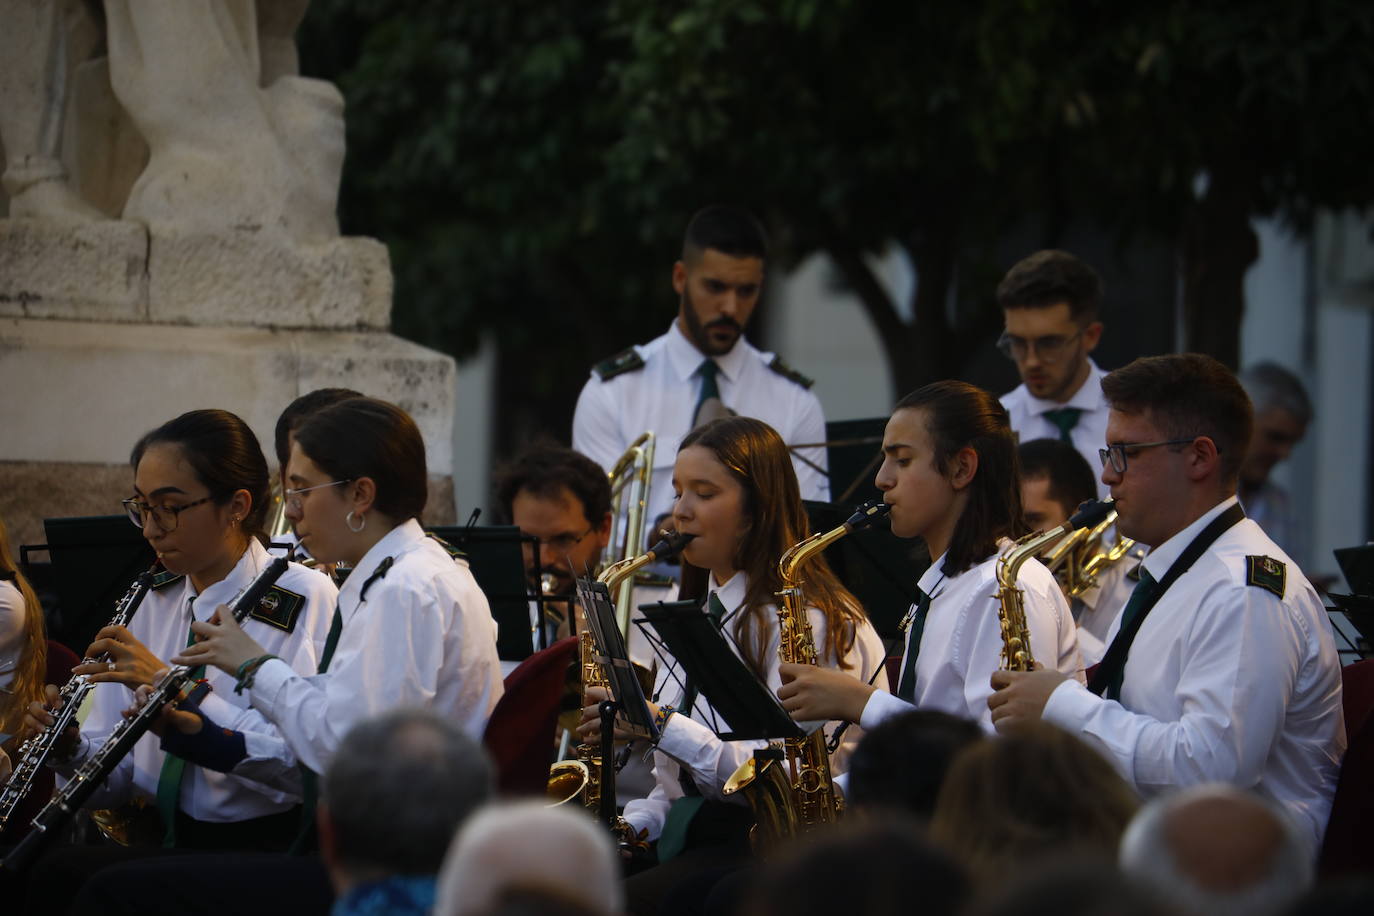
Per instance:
(1050,348)
(165,516)
(561,544)
(1116,454)
(293,497)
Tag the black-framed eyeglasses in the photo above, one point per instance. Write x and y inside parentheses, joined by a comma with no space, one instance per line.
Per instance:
(563,543)
(1050,348)
(293,497)
(1116,453)
(165,516)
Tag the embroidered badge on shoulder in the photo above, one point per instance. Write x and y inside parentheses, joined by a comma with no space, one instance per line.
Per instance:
(787,372)
(164,577)
(279,608)
(1266,573)
(454,552)
(624,361)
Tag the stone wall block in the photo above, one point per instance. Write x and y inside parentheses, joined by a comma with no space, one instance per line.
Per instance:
(85,271)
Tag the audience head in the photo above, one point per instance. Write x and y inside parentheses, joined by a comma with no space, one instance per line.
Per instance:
(950,469)
(563,498)
(395,792)
(1081,885)
(875,868)
(1282,413)
(901,764)
(1027,795)
(1216,849)
(720,277)
(1055,480)
(1050,302)
(525,848)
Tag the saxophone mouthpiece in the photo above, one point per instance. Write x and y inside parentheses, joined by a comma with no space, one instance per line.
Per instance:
(1090,514)
(671,543)
(867,514)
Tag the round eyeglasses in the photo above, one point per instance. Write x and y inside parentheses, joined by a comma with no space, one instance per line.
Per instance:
(1050,348)
(293,497)
(1116,454)
(165,516)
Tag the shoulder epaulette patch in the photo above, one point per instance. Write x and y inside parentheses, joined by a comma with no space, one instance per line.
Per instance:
(452,551)
(164,577)
(1266,573)
(279,608)
(624,361)
(787,372)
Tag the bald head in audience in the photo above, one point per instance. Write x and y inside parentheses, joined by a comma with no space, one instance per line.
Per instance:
(1218,850)
(528,848)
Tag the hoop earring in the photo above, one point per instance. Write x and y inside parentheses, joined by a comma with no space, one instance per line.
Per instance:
(362,522)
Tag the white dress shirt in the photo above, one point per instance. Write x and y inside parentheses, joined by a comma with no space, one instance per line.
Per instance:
(1027,415)
(662,397)
(1097,609)
(423,637)
(162,623)
(1225,682)
(691,742)
(961,644)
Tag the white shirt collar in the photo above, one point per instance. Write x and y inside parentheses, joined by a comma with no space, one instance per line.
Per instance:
(1159,559)
(731,594)
(397,541)
(1087,398)
(686,358)
(252,562)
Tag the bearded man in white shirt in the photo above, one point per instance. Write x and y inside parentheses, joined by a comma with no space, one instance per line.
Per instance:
(1222,667)
(1050,302)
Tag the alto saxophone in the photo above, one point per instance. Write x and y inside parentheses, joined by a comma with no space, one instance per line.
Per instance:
(1016,646)
(590,776)
(790,788)
(35,751)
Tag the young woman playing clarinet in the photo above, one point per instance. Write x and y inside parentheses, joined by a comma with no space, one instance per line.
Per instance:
(949,474)
(737,493)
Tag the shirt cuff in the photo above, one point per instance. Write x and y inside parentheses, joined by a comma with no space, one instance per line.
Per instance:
(683,738)
(1069,706)
(880,707)
(268,682)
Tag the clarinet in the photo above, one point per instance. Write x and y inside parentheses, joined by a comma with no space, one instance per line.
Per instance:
(34,752)
(172,687)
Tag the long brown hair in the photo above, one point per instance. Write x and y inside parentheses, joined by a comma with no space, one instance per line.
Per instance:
(32,667)
(755,455)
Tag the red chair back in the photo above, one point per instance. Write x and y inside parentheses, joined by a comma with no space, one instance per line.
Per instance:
(1348,848)
(519,735)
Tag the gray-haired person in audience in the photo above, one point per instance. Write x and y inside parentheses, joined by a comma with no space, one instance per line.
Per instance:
(1282,413)
(1218,850)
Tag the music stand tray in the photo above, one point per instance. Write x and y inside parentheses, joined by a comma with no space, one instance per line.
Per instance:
(747,704)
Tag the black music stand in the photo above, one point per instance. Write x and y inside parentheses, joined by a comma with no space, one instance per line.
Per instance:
(498,565)
(599,609)
(750,709)
(94,558)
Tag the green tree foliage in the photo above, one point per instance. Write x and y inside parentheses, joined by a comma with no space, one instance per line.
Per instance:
(532,163)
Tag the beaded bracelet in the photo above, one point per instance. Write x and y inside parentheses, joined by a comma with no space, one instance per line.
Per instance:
(662,716)
(248,671)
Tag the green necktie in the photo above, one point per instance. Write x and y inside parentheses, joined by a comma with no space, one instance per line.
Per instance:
(310,780)
(674,836)
(1144,591)
(1065,419)
(173,767)
(331,642)
(906,687)
(710,391)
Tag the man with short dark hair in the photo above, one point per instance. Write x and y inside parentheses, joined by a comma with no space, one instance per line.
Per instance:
(1223,667)
(703,368)
(1282,413)
(392,797)
(1050,302)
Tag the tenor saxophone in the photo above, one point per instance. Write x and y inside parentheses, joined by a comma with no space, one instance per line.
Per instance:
(1016,645)
(589,776)
(790,789)
(35,751)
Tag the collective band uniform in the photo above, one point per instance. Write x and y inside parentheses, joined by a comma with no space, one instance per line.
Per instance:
(293,624)
(1026,414)
(961,642)
(690,741)
(655,386)
(423,636)
(1233,677)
